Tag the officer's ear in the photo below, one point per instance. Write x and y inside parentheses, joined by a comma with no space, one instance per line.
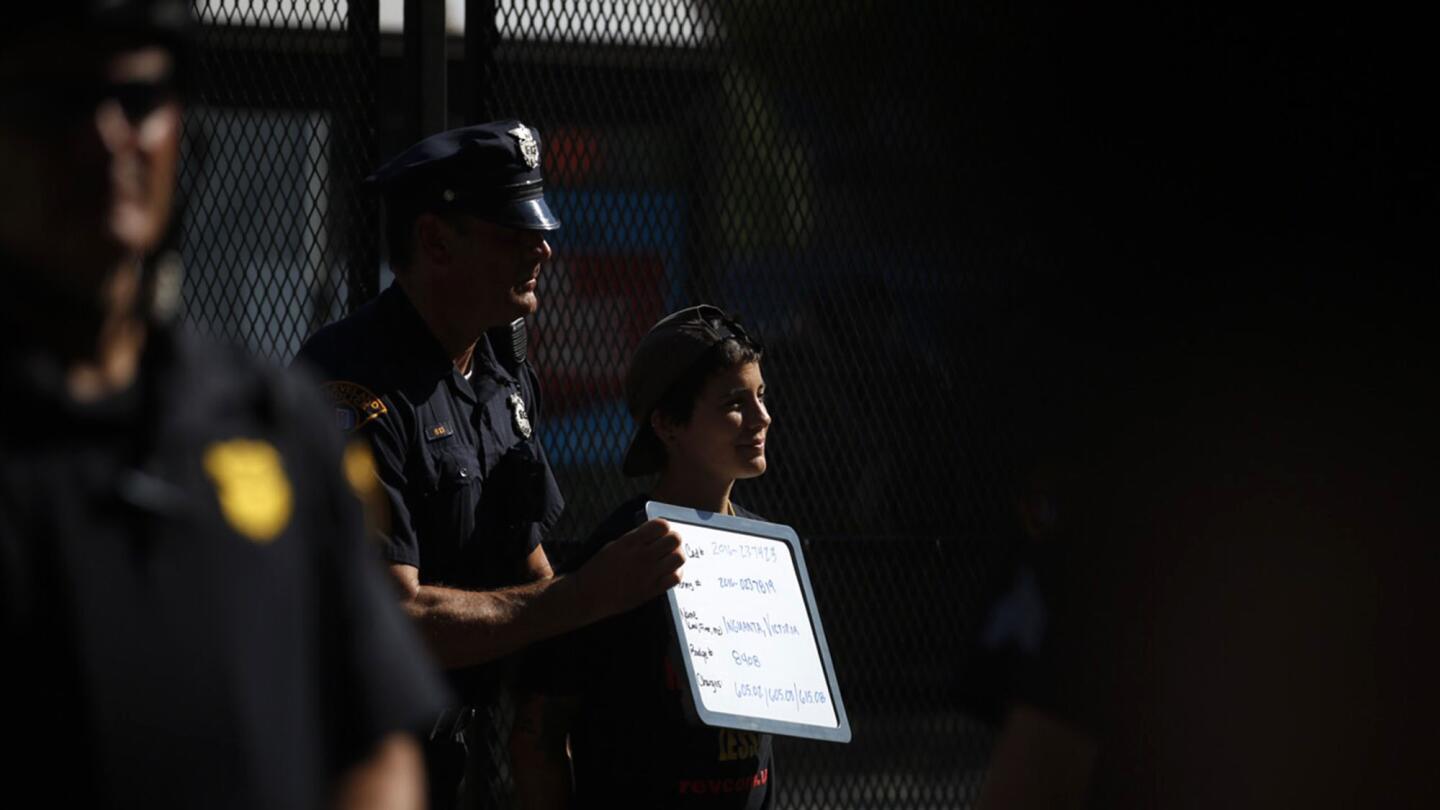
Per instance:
(663,428)
(433,237)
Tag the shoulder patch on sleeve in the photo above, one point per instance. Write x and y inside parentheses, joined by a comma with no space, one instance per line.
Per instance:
(355,405)
(364,480)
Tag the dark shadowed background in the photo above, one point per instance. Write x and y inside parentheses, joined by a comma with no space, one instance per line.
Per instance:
(1136,298)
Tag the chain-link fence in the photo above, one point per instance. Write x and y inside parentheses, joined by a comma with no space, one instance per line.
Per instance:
(281,128)
(823,169)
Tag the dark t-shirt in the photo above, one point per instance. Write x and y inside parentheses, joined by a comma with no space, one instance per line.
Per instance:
(189,614)
(632,744)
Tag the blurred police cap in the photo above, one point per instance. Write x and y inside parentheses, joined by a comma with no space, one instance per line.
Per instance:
(166,22)
(491,171)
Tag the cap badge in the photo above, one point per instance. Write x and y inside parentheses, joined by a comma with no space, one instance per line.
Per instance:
(517,410)
(529,148)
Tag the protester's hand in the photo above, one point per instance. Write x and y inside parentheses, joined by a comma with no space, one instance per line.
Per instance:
(632,569)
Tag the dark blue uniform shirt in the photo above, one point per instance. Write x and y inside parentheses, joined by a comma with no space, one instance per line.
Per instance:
(189,614)
(469,488)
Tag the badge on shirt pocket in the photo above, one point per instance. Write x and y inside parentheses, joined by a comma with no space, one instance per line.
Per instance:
(518,416)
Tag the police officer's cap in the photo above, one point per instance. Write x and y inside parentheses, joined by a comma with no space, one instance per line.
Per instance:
(166,22)
(668,351)
(491,171)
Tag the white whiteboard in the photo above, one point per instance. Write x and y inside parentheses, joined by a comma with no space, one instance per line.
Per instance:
(748,632)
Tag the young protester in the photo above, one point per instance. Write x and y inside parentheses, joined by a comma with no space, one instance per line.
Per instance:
(609,695)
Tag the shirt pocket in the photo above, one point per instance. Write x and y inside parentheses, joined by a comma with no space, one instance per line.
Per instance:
(452,493)
(454,470)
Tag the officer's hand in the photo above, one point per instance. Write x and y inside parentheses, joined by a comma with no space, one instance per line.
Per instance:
(632,569)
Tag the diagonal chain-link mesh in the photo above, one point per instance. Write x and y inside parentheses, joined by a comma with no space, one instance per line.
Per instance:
(1042,286)
(750,154)
(281,127)
(782,159)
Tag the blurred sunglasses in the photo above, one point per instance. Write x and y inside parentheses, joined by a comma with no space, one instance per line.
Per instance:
(59,104)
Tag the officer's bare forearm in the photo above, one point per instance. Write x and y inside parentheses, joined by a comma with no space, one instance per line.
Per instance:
(464,628)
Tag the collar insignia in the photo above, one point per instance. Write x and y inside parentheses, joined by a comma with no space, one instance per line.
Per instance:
(251,487)
(355,405)
(529,148)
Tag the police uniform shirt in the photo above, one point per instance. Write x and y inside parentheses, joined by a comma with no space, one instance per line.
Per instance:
(190,616)
(469,489)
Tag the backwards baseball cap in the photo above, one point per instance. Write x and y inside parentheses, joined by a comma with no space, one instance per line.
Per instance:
(491,171)
(667,352)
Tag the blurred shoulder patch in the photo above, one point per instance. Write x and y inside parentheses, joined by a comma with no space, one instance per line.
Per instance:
(364,479)
(355,405)
(360,470)
(251,486)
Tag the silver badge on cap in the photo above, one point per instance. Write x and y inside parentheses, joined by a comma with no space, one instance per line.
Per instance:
(529,147)
(517,411)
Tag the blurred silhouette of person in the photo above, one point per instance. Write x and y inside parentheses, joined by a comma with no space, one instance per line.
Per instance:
(190,615)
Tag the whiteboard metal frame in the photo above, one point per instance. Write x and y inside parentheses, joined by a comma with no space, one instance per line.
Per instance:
(695,705)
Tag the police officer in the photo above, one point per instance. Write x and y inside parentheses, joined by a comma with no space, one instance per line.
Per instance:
(188,611)
(433,373)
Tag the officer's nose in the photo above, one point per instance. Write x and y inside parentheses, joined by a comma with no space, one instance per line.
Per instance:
(114,128)
(544,250)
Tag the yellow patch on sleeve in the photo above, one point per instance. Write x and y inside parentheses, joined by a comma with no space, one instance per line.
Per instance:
(364,479)
(360,469)
(251,486)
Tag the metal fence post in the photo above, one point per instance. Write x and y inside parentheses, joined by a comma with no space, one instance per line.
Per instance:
(425,63)
(363,24)
(481,38)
